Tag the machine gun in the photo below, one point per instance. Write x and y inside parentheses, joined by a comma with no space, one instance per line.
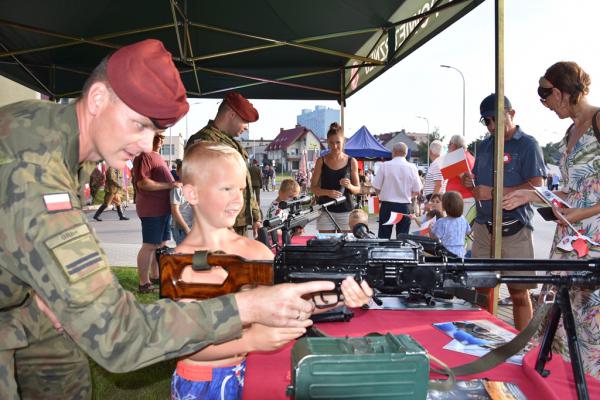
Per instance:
(292,217)
(391,267)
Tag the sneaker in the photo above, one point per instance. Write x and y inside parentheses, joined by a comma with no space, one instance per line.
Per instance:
(155,281)
(507,301)
(147,288)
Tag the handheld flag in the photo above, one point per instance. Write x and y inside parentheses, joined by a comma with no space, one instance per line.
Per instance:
(454,164)
(395,217)
(425,228)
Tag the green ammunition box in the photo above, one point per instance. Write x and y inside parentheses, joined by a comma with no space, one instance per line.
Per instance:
(370,367)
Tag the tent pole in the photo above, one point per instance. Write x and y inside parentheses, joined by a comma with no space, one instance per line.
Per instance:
(342,96)
(499,149)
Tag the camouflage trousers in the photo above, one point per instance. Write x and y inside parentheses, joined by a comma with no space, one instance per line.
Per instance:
(37,362)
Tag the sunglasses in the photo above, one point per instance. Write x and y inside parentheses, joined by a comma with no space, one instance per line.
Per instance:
(486,121)
(544,93)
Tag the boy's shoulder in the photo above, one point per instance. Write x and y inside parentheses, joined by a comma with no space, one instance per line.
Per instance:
(251,249)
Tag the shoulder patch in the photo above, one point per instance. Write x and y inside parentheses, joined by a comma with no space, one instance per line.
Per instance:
(76,252)
(57,202)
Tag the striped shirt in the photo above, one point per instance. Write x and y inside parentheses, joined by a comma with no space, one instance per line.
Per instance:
(433,174)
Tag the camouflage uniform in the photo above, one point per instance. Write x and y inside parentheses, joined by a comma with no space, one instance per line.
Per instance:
(47,248)
(248,215)
(112,187)
(97,179)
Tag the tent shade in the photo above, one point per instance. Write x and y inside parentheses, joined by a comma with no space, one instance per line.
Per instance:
(265,49)
(363,145)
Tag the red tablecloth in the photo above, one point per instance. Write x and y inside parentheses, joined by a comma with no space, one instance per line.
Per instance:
(268,374)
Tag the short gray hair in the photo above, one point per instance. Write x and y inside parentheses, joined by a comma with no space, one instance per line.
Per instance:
(458,140)
(436,147)
(400,148)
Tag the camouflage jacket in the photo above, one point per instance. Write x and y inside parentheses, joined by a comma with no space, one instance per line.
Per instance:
(114,180)
(47,247)
(210,132)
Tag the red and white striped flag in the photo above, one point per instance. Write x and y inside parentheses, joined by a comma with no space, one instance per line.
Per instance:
(454,164)
(395,217)
(425,228)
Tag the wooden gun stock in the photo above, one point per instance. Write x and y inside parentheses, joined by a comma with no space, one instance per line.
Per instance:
(240,272)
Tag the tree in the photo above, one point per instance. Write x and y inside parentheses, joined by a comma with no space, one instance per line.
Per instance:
(551,153)
(475,144)
(422,147)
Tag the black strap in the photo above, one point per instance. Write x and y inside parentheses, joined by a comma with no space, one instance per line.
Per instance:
(595,125)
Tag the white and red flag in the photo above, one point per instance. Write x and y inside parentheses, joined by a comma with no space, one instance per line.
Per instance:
(454,164)
(395,217)
(425,228)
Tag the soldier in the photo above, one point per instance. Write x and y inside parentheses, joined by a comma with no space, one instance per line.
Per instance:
(233,117)
(112,193)
(59,299)
(97,179)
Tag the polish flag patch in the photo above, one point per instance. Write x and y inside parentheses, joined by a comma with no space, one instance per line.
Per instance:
(394,218)
(58,202)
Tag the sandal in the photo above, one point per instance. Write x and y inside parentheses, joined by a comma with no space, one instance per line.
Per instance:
(147,288)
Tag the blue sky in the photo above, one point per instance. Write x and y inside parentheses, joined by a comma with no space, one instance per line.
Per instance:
(537,34)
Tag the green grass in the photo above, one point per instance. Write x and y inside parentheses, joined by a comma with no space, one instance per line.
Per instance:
(148,383)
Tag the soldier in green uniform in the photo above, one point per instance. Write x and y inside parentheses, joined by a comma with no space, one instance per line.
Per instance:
(234,114)
(58,297)
(112,193)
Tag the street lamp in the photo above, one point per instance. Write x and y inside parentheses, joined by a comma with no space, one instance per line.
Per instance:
(426,120)
(463,80)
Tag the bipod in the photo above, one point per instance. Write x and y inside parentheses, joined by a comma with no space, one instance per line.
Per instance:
(562,307)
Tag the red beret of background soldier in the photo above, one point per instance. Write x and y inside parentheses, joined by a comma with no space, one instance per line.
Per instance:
(60,300)
(234,114)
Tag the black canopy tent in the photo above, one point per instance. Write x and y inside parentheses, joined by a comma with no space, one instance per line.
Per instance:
(265,49)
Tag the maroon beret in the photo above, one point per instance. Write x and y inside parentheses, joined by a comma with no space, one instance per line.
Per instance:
(145,78)
(241,106)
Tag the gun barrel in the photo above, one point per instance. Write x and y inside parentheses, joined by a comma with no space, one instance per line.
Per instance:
(506,264)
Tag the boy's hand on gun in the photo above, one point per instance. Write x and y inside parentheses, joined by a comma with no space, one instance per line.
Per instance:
(354,295)
(266,338)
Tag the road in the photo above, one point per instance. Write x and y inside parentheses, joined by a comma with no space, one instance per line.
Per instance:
(122,239)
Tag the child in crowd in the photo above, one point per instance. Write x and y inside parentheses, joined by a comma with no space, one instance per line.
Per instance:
(288,189)
(182,213)
(214,176)
(453,229)
(357,216)
(435,203)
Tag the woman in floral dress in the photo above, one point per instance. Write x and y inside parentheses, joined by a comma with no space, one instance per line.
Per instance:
(563,89)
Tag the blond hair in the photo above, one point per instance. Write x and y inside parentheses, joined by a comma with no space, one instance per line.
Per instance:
(358,216)
(201,154)
(287,185)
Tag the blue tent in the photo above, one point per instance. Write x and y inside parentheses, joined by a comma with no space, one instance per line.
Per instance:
(363,145)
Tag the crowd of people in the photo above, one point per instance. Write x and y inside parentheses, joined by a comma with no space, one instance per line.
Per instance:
(63,304)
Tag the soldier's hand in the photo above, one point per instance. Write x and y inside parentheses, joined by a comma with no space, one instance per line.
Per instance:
(280,305)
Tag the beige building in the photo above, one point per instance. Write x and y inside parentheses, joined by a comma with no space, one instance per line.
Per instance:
(11,92)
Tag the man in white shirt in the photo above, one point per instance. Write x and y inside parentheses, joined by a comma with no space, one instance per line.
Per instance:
(434,182)
(396,183)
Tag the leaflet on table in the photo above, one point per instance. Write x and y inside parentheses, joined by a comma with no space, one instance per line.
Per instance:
(479,389)
(478,337)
